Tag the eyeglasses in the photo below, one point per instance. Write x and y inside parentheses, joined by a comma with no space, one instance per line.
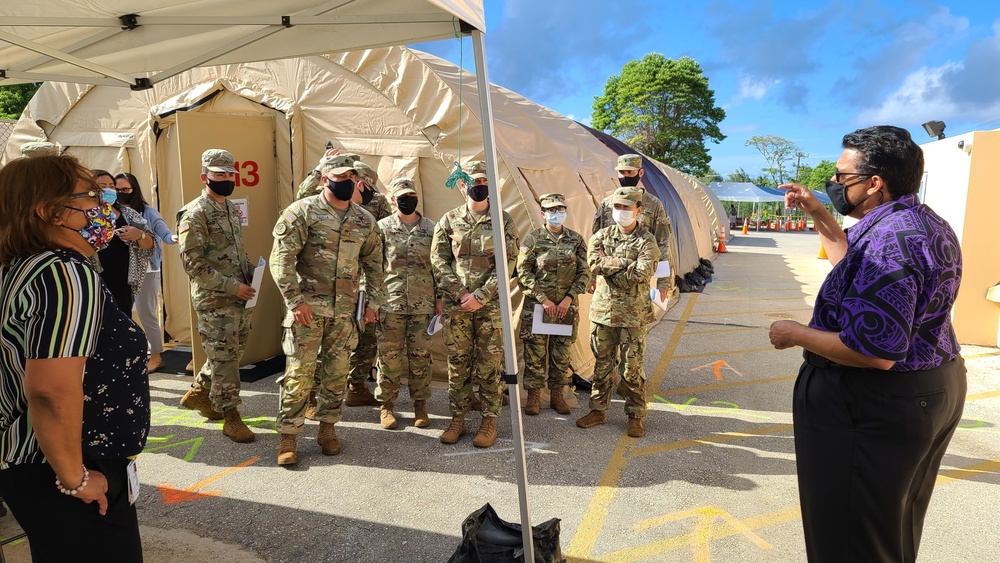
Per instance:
(93,194)
(124,190)
(838,175)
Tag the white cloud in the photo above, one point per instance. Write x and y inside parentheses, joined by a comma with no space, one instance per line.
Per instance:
(922,96)
(754,88)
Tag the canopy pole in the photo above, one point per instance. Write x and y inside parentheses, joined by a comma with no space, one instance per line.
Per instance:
(503,289)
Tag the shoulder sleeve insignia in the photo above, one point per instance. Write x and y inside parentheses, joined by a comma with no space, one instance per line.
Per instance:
(289,216)
(281,228)
(184,227)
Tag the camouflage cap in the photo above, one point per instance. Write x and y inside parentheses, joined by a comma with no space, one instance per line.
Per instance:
(475,168)
(366,172)
(629,162)
(552,200)
(627,196)
(218,160)
(338,164)
(402,186)
(40,148)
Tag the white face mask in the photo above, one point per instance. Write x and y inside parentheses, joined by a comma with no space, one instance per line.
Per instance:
(555,218)
(623,217)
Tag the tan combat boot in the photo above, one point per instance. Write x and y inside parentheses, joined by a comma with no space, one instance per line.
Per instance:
(197,399)
(386,418)
(327,439)
(635,428)
(532,405)
(454,431)
(286,450)
(591,419)
(487,433)
(235,429)
(360,396)
(420,418)
(557,400)
(311,406)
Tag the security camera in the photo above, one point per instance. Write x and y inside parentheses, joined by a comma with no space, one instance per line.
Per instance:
(965,146)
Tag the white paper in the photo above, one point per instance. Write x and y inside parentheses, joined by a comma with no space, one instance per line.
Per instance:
(539,326)
(662,269)
(360,314)
(258,277)
(654,296)
(243,208)
(435,325)
(133,481)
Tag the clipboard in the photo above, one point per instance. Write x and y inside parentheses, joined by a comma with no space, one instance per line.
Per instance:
(544,324)
(360,314)
(258,278)
(662,269)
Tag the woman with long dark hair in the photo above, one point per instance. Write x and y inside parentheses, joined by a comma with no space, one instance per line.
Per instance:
(124,261)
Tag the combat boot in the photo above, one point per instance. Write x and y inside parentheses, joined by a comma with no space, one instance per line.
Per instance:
(635,428)
(311,406)
(557,400)
(487,433)
(234,428)
(386,418)
(286,450)
(454,431)
(327,439)
(359,396)
(591,419)
(420,418)
(197,399)
(532,405)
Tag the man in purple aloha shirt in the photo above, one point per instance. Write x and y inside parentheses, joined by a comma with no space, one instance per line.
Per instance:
(883,385)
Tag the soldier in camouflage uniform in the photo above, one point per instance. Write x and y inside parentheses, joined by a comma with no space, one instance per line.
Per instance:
(464,267)
(622,257)
(552,270)
(212,252)
(653,218)
(323,244)
(409,305)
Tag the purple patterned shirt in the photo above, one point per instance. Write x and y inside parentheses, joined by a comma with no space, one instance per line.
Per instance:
(891,295)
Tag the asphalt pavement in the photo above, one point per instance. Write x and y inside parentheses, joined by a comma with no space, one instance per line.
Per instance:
(712,480)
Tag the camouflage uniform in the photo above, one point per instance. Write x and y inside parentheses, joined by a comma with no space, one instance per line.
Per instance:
(318,258)
(463,260)
(408,307)
(653,218)
(212,252)
(550,266)
(621,310)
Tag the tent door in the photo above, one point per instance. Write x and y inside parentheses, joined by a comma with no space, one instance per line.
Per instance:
(251,140)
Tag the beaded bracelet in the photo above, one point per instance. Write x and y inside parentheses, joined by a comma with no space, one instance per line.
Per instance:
(73,492)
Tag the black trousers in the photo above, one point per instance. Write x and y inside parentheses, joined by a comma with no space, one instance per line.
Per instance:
(62,528)
(868,445)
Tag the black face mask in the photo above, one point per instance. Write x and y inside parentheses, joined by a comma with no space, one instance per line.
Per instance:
(629,181)
(221,187)
(343,190)
(406,205)
(838,195)
(479,193)
(367,195)
(125,198)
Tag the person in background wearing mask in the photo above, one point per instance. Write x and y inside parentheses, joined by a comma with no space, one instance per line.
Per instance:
(130,194)
(123,263)
(323,246)
(653,217)
(410,302)
(214,258)
(883,384)
(552,270)
(622,257)
(465,269)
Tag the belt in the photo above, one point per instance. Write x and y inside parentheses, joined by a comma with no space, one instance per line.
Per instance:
(817,360)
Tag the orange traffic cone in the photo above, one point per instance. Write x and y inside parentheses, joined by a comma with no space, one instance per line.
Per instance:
(722,243)
(822,253)
(746,225)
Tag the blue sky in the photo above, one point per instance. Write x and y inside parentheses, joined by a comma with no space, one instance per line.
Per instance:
(806,71)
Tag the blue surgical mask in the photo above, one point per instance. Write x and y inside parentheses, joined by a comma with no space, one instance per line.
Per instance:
(555,218)
(109,195)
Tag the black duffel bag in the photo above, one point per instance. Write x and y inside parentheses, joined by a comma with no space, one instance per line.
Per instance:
(486,538)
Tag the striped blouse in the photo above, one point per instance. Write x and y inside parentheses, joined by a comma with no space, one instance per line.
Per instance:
(54,305)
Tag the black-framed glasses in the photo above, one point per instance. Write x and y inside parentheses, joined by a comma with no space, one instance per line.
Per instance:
(93,194)
(124,190)
(838,175)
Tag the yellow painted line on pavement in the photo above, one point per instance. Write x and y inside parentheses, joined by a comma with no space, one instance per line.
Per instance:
(984,395)
(710,439)
(754,299)
(593,520)
(979,470)
(718,330)
(725,352)
(736,313)
(728,384)
(983,355)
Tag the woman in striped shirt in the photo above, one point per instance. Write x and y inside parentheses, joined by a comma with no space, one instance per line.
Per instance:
(74,394)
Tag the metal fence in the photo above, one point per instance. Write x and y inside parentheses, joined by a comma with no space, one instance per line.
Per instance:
(6,129)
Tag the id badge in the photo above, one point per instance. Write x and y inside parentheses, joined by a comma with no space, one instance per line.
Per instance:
(133,481)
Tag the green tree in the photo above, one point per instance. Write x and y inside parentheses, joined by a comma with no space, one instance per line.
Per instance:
(823,171)
(739,175)
(14,98)
(664,108)
(709,177)
(804,171)
(778,152)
